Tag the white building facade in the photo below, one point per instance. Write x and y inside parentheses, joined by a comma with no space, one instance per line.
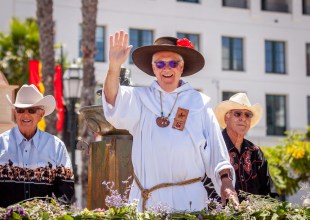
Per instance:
(258,47)
(261,47)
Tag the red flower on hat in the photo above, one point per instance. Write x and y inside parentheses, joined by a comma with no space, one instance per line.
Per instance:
(184,43)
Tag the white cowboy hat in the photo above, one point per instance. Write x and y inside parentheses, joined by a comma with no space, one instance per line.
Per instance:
(238,101)
(29,96)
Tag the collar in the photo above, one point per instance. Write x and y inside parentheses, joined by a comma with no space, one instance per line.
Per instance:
(188,98)
(19,137)
(246,144)
(183,87)
(228,142)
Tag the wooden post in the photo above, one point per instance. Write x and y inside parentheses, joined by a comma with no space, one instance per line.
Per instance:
(110,161)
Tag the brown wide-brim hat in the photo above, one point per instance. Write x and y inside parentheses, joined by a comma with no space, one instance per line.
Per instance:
(29,96)
(238,101)
(193,60)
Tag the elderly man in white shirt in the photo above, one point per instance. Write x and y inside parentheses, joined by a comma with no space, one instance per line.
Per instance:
(33,163)
(176,137)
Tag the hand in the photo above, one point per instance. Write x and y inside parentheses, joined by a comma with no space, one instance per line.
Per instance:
(229,192)
(119,49)
(118,53)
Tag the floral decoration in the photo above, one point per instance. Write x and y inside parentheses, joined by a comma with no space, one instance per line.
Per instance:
(255,207)
(185,43)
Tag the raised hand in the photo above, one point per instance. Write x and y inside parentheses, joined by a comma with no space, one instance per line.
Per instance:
(119,49)
(119,52)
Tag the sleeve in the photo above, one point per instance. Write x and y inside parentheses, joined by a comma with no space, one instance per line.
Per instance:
(64,190)
(64,183)
(209,186)
(267,186)
(215,154)
(127,110)
(63,158)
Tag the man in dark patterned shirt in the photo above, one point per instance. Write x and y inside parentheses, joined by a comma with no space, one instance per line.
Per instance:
(237,116)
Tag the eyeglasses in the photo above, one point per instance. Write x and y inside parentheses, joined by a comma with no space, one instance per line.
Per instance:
(172,63)
(30,110)
(238,114)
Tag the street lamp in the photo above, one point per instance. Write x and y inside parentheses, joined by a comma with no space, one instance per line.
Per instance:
(73,81)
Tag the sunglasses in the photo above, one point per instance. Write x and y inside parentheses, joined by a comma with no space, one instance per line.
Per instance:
(172,63)
(30,110)
(238,114)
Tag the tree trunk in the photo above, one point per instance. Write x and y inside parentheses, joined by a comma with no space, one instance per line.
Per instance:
(89,14)
(46,30)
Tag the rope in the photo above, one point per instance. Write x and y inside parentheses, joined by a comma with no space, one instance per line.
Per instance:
(146,193)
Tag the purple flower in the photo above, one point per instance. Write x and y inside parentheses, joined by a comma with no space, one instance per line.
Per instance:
(161,210)
(21,212)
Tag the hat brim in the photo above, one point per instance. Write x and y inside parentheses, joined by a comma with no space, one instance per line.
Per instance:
(193,60)
(228,105)
(48,102)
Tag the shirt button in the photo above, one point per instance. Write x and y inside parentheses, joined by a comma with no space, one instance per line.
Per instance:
(27,191)
(25,150)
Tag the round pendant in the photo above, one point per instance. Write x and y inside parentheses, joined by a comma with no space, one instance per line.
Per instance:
(162,121)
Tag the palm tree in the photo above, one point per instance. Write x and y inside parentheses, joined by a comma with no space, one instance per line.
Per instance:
(46,30)
(89,14)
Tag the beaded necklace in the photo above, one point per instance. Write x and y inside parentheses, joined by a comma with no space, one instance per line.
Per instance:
(163,121)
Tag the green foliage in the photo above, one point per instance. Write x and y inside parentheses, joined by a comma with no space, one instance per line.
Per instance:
(289,162)
(17,47)
(254,207)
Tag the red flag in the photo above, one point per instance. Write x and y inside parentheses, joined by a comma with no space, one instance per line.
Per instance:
(59,97)
(35,76)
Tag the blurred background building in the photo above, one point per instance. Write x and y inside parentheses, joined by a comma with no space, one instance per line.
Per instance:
(261,47)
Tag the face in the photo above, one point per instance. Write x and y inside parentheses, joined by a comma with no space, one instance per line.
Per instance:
(168,73)
(238,121)
(27,120)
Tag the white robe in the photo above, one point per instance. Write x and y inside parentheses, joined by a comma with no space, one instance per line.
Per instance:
(167,155)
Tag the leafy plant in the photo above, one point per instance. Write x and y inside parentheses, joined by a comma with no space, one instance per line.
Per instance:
(254,207)
(17,47)
(289,162)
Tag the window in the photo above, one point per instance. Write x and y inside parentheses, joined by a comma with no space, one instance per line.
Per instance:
(306,7)
(192,1)
(276,5)
(227,94)
(139,38)
(308,59)
(235,3)
(276,114)
(232,53)
(308,104)
(194,38)
(275,57)
(100,40)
